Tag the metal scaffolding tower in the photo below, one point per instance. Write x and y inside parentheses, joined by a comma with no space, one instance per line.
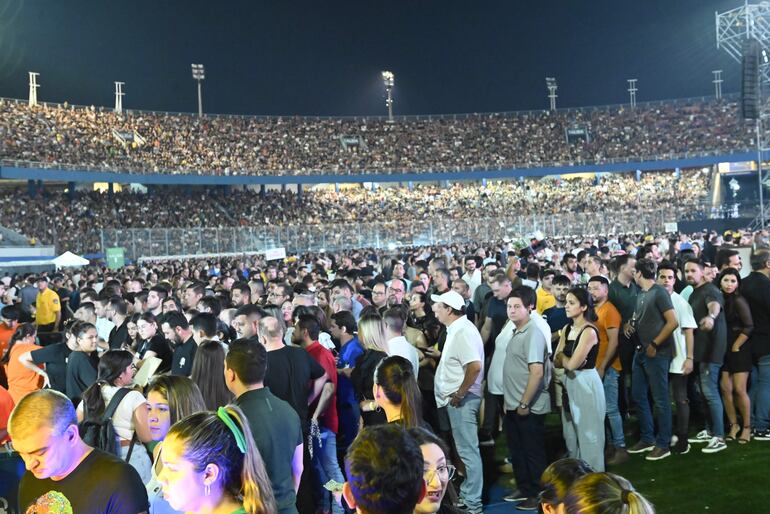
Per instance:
(733,28)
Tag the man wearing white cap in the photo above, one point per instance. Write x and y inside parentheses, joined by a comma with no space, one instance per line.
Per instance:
(458,389)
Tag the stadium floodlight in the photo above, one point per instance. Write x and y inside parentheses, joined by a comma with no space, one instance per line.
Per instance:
(119,94)
(389,80)
(717,83)
(550,83)
(33,85)
(632,92)
(198,73)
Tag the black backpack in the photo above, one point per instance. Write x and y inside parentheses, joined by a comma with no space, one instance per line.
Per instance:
(99,433)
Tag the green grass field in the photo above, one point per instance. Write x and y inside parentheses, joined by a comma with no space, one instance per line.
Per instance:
(736,480)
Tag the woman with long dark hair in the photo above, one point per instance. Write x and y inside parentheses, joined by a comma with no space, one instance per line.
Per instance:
(738,359)
(556,480)
(395,390)
(83,361)
(116,371)
(211,464)
(583,412)
(152,343)
(211,356)
(438,472)
(170,398)
(21,381)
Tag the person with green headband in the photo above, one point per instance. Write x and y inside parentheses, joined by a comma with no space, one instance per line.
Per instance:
(212,466)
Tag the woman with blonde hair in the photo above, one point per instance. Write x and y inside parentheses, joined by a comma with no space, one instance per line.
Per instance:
(371,335)
(211,464)
(605,493)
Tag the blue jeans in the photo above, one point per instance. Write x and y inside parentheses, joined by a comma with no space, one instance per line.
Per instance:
(652,373)
(760,394)
(327,468)
(709,389)
(611,392)
(464,420)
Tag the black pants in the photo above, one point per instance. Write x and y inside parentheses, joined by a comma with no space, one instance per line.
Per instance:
(526,444)
(493,410)
(679,389)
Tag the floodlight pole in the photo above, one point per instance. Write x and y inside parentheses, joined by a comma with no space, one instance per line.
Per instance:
(199,74)
(33,85)
(119,97)
(632,92)
(389,80)
(550,83)
(717,84)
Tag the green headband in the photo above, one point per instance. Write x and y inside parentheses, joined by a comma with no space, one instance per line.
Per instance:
(227,420)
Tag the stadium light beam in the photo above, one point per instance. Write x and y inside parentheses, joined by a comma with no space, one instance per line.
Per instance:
(199,74)
(550,84)
(389,80)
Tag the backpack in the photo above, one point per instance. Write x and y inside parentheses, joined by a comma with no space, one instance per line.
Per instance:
(99,433)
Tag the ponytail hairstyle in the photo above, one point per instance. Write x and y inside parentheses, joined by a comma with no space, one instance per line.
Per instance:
(112,364)
(605,493)
(209,439)
(559,477)
(396,377)
(23,331)
(584,299)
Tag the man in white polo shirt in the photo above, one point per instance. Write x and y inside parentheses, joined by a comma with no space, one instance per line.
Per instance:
(458,388)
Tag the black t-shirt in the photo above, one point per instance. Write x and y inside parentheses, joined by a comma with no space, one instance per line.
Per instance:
(160,346)
(81,373)
(55,359)
(289,372)
(101,484)
(118,336)
(709,346)
(182,362)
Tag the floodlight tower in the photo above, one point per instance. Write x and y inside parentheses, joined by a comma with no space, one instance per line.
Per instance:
(33,85)
(550,83)
(389,80)
(632,92)
(119,97)
(198,73)
(717,84)
(733,28)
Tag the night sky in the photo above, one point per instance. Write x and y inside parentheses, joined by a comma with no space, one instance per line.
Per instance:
(325,57)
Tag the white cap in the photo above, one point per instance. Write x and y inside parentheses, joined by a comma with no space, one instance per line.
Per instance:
(450,298)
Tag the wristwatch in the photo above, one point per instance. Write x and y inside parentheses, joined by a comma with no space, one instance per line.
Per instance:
(655,345)
(523,405)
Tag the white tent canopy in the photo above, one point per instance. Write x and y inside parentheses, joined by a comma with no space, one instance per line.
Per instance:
(69,260)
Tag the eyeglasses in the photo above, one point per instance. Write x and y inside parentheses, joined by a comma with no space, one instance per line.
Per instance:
(444,473)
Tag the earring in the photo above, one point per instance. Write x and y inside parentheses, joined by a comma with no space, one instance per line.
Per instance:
(207,490)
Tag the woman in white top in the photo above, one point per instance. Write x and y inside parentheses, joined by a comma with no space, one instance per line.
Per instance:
(116,370)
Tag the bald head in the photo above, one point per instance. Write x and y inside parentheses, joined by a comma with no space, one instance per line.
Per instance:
(45,408)
(271,328)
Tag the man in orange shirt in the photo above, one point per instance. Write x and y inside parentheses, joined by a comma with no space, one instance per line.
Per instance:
(6,406)
(9,320)
(608,363)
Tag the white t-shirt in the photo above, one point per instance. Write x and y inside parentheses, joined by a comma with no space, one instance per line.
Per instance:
(495,373)
(403,348)
(473,280)
(686,319)
(103,328)
(463,346)
(122,420)
(542,326)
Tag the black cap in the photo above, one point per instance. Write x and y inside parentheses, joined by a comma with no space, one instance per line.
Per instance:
(9,312)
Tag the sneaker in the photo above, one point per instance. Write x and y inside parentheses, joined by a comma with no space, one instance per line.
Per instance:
(487,442)
(658,454)
(619,456)
(515,496)
(761,435)
(674,440)
(641,447)
(702,437)
(529,504)
(717,444)
(681,447)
